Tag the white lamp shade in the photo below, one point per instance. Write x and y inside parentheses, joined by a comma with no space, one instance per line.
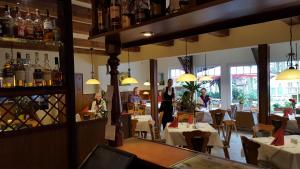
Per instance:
(187,77)
(92,82)
(129,80)
(206,78)
(289,74)
(147,83)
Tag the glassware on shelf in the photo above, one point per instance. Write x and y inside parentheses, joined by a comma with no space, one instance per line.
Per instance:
(48,28)
(106,16)
(184,4)
(100,10)
(126,13)
(56,31)
(142,12)
(38,26)
(20,71)
(115,14)
(29,28)
(155,8)
(38,73)
(19,24)
(9,23)
(47,71)
(57,74)
(174,6)
(8,74)
(29,69)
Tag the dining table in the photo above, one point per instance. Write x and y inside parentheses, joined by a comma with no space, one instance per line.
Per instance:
(291,126)
(174,135)
(143,122)
(286,156)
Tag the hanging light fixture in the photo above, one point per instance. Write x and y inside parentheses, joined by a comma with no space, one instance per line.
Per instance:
(92,81)
(186,77)
(292,73)
(205,77)
(129,79)
(147,83)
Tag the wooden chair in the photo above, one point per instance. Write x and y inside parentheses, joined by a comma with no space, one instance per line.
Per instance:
(133,127)
(197,140)
(250,150)
(142,109)
(130,108)
(263,130)
(278,121)
(161,114)
(199,116)
(183,116)
(298,121)
(218,117)
(229,126)
(154,132)
(233,109)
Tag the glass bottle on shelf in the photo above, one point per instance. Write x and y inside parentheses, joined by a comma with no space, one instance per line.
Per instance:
(184,4)
(38,26)
(20,71)
(38,73)
(156,8)
(29,28)
(2,23)
(126,13)
(142,11)
(9,23)
(56,31)
(115,14)
(56,74)
(101,17)
(19,24)
(8,74)
(174,6)
(48,28)
(29,69)
(47,71)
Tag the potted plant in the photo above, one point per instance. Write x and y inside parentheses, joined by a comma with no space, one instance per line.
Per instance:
(241,99)
(277,107)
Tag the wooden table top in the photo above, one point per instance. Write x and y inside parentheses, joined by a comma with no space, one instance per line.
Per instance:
(159,154)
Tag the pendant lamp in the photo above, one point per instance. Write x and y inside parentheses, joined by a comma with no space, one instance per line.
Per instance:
(147,83)
(292,73)
(129,79)
(186,77)
(205,77)
(92,81)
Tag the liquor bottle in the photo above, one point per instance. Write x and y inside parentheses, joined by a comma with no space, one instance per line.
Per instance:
(20,71)
(38,73)
(174,6)
(56,74)
(48,28)
(47,71)
(29,28)
(142,11)
(157,8)
(115,14)
(184,4)
(106,15)
(8,74)
(2,24)
(28,71)
(19,25)
(38,26)
(100,17)
(126,14)
(56,31)
(8,23)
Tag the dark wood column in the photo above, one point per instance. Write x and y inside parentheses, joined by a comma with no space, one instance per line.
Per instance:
(263,65)
(113,49)
(153,89)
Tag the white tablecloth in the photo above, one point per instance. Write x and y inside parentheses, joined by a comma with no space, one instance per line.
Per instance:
(175,137)
(143,122)
(207,116)
(284,157)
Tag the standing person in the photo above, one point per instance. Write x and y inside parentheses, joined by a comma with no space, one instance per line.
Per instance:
(167,103)
(204,98)
(99,105)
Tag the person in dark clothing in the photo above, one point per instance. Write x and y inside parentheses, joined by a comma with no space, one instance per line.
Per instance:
(204,98)
(167,103)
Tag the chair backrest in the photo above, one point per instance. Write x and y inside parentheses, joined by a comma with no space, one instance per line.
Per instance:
(161,114)
(250,150)
(217,116)
(142,109)
(199,116)
(130,108)
(229,126)
(233,111)
(278,121)
(298,121)
(263,130)
(151,130)
(183,116)
(133,126)
(197,140)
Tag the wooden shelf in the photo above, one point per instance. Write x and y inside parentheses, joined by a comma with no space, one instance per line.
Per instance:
(17,43)
(27,91)
(213,16)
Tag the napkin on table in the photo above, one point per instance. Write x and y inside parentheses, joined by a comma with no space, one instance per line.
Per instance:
(279,137)
(174,123)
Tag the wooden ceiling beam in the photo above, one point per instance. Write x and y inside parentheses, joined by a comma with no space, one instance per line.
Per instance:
(166,43)
(221,33)
(295,20)
(88,43)
(88,51)
(133,49)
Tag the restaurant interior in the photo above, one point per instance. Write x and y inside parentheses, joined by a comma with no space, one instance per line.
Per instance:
(171,84)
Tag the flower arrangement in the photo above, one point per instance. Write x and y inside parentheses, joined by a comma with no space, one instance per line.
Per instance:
(293,103)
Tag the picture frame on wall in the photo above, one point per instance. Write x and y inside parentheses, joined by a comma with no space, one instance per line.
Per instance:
(161,79)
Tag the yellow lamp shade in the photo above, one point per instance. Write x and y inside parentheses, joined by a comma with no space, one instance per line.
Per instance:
(289,74)
(146,93)
(92,82)
(206,78)
(187,77)
(129,80)
(147,83)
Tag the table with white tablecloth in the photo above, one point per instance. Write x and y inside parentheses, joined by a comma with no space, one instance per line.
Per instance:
(207,115)
(174,136)
(284,157)
(291,125)
(143,122)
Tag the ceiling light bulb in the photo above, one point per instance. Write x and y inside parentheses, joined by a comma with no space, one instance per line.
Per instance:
(148,34)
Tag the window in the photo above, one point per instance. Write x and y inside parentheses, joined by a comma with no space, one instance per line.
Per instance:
(175,73)
(244,85)
(282,91)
